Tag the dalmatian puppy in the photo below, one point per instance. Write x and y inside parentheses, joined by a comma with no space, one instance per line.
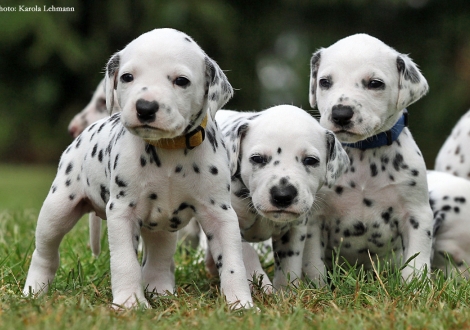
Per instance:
(449,197)
(95,110)
(380,206)
(279,159)
(454,156)
(148,170)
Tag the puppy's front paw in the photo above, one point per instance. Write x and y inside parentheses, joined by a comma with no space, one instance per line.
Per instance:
(131,302)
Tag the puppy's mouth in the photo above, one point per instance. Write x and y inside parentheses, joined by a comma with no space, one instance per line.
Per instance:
(153,133)
(279,215)
(348,136)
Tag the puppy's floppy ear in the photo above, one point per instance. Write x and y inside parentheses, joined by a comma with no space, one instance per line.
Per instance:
(218,89)
(110,80)
(411,83)
(337,160)
(314,65)
(233,135)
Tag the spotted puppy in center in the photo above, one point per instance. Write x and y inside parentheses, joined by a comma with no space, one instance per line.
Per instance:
(279,159)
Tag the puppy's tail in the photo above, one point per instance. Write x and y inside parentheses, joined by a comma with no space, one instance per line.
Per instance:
(95,233)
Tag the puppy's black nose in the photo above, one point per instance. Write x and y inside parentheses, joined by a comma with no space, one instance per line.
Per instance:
(283,196)
(146,110)
(342,114)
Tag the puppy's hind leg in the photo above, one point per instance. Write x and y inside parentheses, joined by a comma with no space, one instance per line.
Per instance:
(94,223)
(56,218)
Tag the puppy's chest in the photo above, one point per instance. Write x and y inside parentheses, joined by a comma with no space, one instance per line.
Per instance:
(364,210)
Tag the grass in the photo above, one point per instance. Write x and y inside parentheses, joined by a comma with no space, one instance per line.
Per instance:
(80,295)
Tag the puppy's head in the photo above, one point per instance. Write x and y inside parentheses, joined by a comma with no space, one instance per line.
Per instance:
(283,157)
(165,84)
(360,86)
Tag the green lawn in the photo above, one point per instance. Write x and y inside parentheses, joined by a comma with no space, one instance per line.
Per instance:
(80,296)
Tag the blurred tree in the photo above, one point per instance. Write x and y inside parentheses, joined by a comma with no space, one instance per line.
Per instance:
(50,62)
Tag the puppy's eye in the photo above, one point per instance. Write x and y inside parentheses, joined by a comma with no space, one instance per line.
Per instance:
(127,78)
(376,84)
(101,104)
(181,81)
(310,161)
(325,83)
(258,159)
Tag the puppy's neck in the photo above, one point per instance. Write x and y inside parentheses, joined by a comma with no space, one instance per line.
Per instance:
(384,138)
(189,140)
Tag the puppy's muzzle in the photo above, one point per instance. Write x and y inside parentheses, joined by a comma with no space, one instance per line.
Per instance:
(342,114)
(283,196)
(146,111)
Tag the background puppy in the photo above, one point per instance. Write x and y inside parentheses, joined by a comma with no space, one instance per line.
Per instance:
(279,159)
(454,155)
(449,197)
(94,111)
(380,206)
(131,170)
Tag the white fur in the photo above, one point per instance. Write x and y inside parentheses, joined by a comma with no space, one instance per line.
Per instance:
(142,190)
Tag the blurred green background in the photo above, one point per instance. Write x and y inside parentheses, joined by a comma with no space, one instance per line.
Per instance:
(50,62)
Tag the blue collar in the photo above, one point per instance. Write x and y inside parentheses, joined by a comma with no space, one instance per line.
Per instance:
(383,138)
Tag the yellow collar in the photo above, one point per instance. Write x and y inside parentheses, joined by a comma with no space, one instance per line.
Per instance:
(189,140)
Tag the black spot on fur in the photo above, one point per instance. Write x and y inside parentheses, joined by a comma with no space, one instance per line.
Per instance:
(69,168)
(373,169)
(212,139)
(120,182)
(175,222)
(93,152)
(397,161)
(153,196)
(150,149)
(285,238)
(214,170)
(115,161)
(104,193)
(113,65)
(461,200)
(178,168)
(414,223)
(367,202)
(408,72)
